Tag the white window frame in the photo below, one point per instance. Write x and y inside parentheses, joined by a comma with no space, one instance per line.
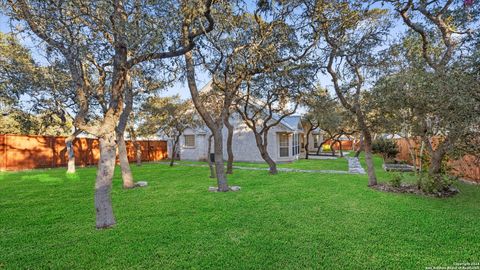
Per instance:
(295,144)
(185,141)
(280,146)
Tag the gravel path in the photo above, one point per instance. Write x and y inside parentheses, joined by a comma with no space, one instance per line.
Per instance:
(354,167)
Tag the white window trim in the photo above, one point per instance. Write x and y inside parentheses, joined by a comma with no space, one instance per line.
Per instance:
(280,147)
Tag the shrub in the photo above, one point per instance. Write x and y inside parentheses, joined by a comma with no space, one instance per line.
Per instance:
(396,180)
(434,184)
(388,149)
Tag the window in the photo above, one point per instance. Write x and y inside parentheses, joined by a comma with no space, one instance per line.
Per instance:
(295,144)
(284,145)
(189,140)
(315,141)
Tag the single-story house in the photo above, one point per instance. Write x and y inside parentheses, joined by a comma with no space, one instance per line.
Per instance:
(285,141)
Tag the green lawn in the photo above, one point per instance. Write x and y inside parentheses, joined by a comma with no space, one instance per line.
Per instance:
(339,164)
(287,221)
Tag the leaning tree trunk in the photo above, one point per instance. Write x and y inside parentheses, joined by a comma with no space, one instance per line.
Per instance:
(219,164)
(332,148)
(229,146)
(124,163)
(120,131)
(103,182)
(262,146)
(320,146)
(71,152)
(210,163)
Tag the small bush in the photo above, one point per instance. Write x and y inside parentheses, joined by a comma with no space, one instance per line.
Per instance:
(434,184)
(396,180)
(388,149)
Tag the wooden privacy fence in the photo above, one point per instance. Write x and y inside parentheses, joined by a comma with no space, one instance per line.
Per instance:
(467,167)
(21,152)
(346,145)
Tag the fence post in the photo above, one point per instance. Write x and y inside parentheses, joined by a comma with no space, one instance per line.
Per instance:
(52,145)
(148,151)
(4,152)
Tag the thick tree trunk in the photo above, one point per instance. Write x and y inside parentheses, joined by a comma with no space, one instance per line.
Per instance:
(219,164)
(435,167)
(103,182)
(70,151)
(120,131)
(124,164)
(174,150)
(209,151)
(367,141)
(214,125)
(229,146)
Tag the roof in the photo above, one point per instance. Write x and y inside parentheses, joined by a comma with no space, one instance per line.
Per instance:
(293,122)
(290,122)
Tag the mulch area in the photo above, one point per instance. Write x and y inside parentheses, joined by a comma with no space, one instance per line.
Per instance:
(413,189)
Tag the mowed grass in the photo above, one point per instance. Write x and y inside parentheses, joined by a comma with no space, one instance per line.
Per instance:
(339,164)
(286,221)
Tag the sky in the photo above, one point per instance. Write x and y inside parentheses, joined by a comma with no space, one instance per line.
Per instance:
(179,87)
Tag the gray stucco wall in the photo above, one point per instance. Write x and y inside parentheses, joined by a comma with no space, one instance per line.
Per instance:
(244,145)
(199,151)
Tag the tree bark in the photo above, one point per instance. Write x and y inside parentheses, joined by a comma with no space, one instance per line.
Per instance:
(103,182)
(435,167)
(219,164)
(332,149)
(229,146)
(367,140)
(210,163)
(215,125)
(174,149)
(262,145)
(127,176)
(70,151)
(120,131)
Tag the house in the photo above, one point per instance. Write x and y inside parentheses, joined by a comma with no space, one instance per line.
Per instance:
(285,141)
